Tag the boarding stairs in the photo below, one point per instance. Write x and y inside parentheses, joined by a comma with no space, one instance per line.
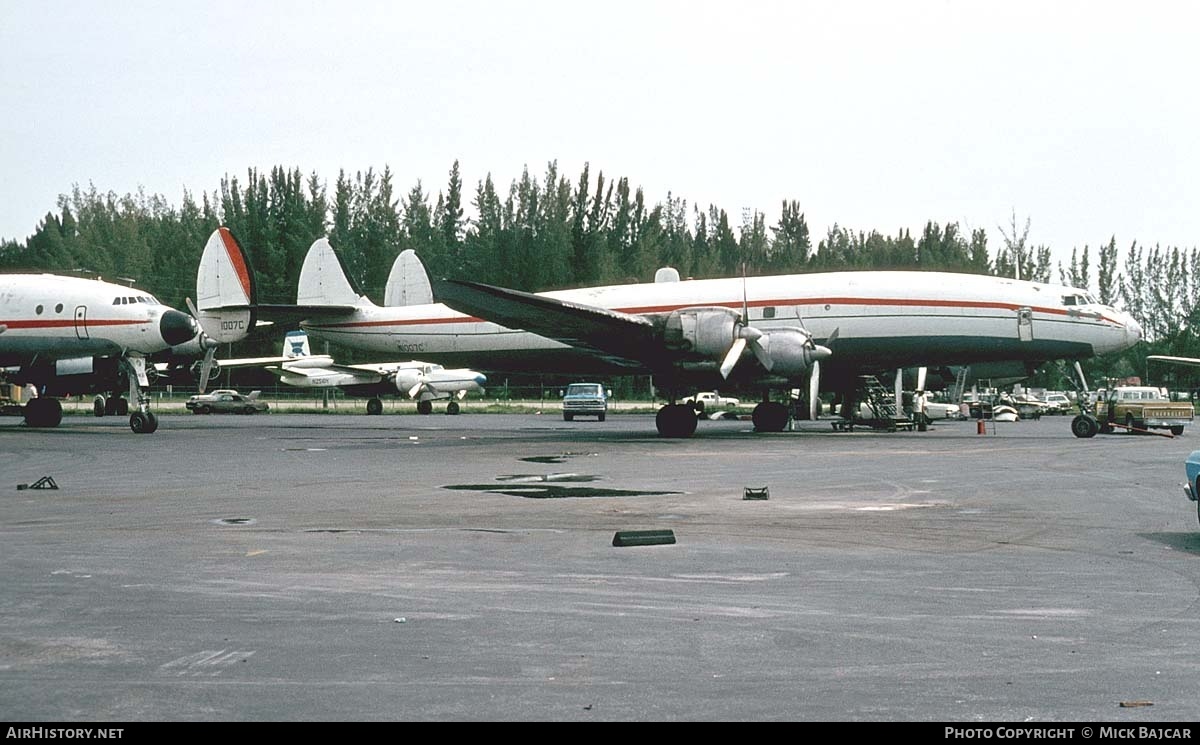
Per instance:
(881,402)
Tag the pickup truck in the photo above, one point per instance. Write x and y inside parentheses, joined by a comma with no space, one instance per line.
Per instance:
(585,399)
(711,401)
(1141,407)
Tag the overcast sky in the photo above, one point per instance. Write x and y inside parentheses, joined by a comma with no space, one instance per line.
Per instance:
(1080,116)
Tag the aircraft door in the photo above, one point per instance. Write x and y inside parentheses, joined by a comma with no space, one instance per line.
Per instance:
(1025,324)
(81,331)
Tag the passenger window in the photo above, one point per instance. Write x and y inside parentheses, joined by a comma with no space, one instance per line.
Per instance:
(58,308)
(768,312)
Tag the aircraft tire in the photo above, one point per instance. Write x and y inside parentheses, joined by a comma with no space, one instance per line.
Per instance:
(676,421)
(374,407)
(43,412)
(143,423)
(98,406)
(452,408)
(424,407)
(770,416)
(1083,426)
(122,406)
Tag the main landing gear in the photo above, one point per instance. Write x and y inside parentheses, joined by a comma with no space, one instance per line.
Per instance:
(43,411)
(679,420)
(113,405)
(425,406)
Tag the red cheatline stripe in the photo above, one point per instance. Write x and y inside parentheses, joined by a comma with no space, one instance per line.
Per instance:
(234,252)
(67,323)
(900,302)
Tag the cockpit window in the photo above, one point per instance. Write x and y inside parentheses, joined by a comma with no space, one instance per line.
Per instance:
(1078,299)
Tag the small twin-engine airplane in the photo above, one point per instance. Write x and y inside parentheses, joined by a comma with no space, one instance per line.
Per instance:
(772,333)
(424,381)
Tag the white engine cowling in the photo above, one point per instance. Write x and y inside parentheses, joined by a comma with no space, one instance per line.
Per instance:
(707,332)
(406,379)
(790,350)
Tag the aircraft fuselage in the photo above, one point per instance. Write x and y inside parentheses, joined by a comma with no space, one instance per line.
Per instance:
(884,320)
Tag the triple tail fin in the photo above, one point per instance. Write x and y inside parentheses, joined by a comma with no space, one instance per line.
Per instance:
(323,279)
(408,283)
(225,290)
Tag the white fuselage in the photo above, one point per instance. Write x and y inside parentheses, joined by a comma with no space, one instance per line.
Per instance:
(884,320)
(46,317)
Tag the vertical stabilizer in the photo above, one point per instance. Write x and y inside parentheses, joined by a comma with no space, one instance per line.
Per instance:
(225,292)
(323,279)
(295,345)
(408,283)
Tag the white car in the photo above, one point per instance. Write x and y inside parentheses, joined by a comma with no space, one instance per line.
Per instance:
(711,401)
(942,410)
(1057,403)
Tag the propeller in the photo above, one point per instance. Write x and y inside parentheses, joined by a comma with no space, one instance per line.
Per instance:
(412,392)
(814,377)
(210,349)
(746,335)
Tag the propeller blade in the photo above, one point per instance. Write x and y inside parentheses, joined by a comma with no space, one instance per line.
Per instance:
(814,389)
(833,337)
(921,373)
(732,356)
(206,367)
(760,345)
(412,392)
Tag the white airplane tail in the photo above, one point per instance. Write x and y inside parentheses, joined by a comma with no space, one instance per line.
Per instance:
(225,293)
(323,279)
(408,283)
(295,345)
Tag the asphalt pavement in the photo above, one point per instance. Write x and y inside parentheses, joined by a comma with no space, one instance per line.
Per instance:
(338,567)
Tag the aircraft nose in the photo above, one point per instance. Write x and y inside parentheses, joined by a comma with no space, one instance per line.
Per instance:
(176,327)
(1133,330)
(480,380)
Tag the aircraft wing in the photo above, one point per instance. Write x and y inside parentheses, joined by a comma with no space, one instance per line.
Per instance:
(618,338)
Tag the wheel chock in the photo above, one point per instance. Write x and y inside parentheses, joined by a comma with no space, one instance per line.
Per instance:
(643,537)
(750,492)
(45,482)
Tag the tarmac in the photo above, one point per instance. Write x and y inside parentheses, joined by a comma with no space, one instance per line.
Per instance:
(288,567)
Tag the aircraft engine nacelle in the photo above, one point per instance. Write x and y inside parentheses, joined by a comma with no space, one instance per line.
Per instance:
(790,350)
(707,332)
(406,379)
